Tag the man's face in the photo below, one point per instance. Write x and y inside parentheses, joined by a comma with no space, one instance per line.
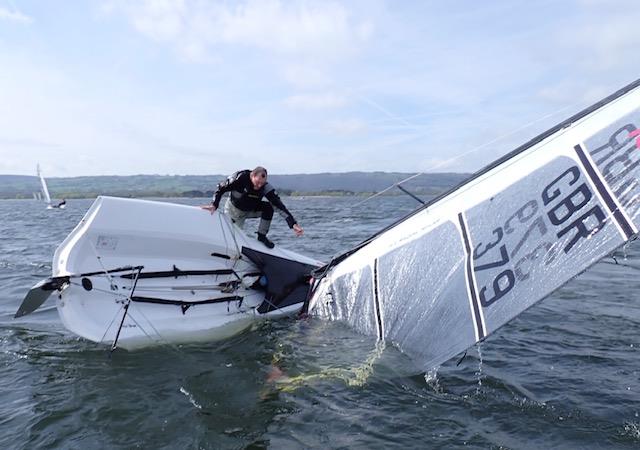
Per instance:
(258,180)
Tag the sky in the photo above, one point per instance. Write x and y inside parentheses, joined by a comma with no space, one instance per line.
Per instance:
(195,87)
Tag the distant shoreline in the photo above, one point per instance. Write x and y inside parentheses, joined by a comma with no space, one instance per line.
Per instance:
(285,194)
(359,184)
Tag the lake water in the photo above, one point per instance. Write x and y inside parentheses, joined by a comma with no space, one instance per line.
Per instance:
(565,374)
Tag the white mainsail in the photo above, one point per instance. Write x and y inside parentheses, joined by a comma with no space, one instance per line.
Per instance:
(457,269)
(45,190)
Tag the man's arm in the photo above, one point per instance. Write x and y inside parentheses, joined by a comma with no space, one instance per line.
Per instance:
(231,182)
(274,199)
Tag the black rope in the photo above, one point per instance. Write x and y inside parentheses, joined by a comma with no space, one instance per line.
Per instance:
(415,197)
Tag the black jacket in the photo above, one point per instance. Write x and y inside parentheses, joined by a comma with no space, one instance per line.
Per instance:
(246,198)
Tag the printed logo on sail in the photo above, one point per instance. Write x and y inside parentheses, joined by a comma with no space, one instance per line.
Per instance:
(636,134)
(615,152)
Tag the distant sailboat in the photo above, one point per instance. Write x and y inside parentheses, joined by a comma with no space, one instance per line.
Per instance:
(45,193)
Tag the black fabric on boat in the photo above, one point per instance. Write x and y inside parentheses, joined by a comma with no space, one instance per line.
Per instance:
(185,305)
(220,255)
(178,273)
(287,281)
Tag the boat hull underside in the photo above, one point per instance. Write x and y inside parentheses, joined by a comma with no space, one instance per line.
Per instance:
(179,269)
(98,317)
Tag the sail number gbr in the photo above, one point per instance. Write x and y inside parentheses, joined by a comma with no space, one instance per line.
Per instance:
(537,233)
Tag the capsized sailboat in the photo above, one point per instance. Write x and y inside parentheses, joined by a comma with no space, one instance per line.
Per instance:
(135,273)
(454,271)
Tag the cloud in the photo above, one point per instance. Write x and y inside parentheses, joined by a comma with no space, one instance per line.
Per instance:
(348,126)
(298,28)
(305,75)
(343,84)
(14,16)
(316,101)
(602,45)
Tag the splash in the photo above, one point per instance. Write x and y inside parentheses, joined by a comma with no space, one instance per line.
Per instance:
(190,397)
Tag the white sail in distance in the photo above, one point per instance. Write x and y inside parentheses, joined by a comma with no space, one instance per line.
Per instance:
(454,271)
(45,190)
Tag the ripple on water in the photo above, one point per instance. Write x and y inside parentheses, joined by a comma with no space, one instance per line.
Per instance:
(562,375)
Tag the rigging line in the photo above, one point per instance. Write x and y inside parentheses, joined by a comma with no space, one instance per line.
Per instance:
(472,150)
(227,221)
(160,339)
(126,309)
(224,235)
(95,252)
(236,261)
(109,326)
(503,162)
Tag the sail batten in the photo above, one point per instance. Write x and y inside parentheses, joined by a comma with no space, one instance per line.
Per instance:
(452,272)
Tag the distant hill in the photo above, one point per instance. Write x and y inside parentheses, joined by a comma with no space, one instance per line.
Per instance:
(347,183)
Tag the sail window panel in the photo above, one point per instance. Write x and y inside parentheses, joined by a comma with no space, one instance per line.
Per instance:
(424,302)
(351,300)
(534,236)
(616,152)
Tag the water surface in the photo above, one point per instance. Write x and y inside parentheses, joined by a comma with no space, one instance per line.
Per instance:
(565,374)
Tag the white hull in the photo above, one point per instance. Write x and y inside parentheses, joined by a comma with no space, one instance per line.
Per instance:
(165,306)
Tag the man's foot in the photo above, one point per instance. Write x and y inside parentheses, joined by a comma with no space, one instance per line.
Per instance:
(265,240)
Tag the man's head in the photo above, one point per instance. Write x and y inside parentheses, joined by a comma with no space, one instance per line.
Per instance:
(258,177)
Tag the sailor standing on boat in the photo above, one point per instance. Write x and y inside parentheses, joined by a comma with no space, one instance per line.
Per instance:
(247,188)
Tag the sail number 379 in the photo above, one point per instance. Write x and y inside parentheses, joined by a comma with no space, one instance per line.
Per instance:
(564,206)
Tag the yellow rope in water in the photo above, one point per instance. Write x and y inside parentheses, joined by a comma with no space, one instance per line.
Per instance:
(353,377)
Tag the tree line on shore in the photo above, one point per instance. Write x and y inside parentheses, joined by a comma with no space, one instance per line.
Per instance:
(328,184)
